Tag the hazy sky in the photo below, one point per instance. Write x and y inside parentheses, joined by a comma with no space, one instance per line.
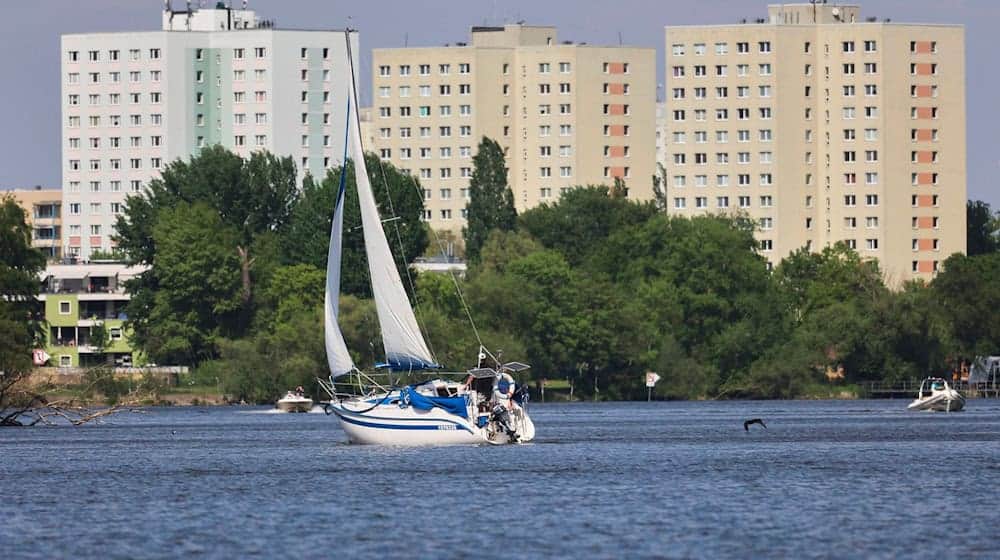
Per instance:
(30,65)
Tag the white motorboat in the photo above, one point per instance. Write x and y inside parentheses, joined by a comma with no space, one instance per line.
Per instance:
(377,408)
(295,401)
(937,395)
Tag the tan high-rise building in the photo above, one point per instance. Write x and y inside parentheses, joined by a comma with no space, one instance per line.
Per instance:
(566,114)
(43,214)
(823,127)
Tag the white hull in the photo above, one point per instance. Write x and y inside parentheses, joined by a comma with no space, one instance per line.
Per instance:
(945,401)
(388,424)
(303,404)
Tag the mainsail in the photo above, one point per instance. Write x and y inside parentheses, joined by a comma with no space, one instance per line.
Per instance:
(336,349)
(405,348)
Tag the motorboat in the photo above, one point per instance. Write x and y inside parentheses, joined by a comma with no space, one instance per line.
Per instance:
(295,401)
(937,395)
(431,407)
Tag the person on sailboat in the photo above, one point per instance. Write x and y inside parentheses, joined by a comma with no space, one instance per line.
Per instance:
(503,389)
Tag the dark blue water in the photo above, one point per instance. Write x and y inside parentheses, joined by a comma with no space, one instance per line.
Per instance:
(840,479)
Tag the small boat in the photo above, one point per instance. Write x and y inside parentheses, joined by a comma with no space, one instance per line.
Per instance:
(937,395)
(295,401)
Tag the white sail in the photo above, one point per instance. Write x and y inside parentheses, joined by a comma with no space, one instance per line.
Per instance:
(336,349)
(404,344)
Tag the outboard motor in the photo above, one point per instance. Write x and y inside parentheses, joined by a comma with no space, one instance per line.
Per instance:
(502,417)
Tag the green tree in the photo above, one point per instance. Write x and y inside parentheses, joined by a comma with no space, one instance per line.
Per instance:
(982,228)
(198,296)
(582,219)
(968,290)
(245,204)
(21,322)
(491,202)
(307,240)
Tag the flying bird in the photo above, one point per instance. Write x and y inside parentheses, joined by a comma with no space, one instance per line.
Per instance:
(746,425)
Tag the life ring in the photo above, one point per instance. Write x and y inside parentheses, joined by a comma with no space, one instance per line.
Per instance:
(503,387)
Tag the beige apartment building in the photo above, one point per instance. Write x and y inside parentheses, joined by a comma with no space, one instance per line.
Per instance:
(565,113)
(823,127)
(43,213)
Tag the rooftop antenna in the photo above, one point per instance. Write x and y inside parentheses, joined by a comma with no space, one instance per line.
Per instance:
(166,6)
(619,38)
(245,2)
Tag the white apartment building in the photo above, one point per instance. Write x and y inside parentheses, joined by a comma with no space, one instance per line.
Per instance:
(565,113)
(132,102)
(824,127)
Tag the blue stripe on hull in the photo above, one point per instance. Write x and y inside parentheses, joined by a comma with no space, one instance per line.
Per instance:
(367,424)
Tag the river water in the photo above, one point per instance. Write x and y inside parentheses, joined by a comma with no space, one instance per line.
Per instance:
(609,480)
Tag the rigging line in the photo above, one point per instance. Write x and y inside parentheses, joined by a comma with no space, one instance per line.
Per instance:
(392,210)
(451,273)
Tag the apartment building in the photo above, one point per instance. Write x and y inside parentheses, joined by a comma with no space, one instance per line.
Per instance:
(823,127)
(565,113)
(78,299)
(43,213)
(133,102)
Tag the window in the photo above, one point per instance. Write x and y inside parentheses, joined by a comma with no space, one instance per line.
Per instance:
(699,49)
(742,48)
(871,68)
(850,200)
(765,69)
(464,68)
(154,54)
(871,244)
(764,46)
(871,46)
(871,112)
(677,49)
(847,46)
(871,200)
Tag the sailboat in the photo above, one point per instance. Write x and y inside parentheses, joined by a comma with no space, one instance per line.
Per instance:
(373,409)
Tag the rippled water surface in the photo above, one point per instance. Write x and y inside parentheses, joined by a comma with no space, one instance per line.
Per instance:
(841,479)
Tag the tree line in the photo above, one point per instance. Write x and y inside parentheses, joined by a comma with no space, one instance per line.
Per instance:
(594,289)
